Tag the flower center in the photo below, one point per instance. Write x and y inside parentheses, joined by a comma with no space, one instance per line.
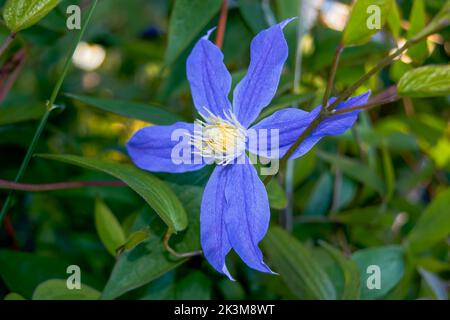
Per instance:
(218,138)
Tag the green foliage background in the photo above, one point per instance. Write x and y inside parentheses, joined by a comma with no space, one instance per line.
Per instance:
(379,194)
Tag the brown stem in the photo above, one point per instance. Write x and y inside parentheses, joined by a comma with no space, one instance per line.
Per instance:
(7,42)
(10,71)
(222,24)
(330,82)
(294,147)
(11,185)
(169,249)
(367,106)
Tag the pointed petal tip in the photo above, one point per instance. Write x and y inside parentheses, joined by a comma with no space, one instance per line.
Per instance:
(208,33)
(286,22)
(227,273)
(268,270)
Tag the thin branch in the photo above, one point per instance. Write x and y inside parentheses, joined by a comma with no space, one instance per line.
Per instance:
(50,107)
(332,75)
(222,24)
(169,249)
(11,185)
(7,42)
(10,71)
(367,106)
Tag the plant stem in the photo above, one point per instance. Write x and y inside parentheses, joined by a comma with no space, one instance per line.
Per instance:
(367,106)
(7,42)
(222,24)
(332,75)
(300,139)
(50,108)
(169,249)
(4,184)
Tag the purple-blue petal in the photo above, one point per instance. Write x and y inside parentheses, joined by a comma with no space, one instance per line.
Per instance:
(268,52)
(209,78)
(213,234)
(248,214)
(288,124)
(333,125)
(164,149)
(291,123)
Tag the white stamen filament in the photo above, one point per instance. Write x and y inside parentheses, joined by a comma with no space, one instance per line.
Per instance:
(220,139)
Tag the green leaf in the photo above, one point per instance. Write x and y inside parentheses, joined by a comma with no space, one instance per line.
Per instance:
(440,21)
(321,196)
(389,173)
(253,14)
(128,109)
(276,194)
(56,289)
(302,274)
(427,81)
(355,169)
(366,18)
(134,239)
(188,18)
(349,270)
(22,272)
(108,228)
(13,296)
(154,191)
(389,259)
(394,20)
(195,286)
(20,113)
(417,22)
(433,225)
(21,14)
(149,260)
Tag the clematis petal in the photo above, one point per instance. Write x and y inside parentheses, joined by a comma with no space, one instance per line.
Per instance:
(334,125)
(268,52)
(278,132)
(213,235)
(291,123)
(209,78)
(164,149)
(248,214)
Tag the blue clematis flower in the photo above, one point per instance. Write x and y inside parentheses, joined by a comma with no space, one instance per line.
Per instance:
(235,208)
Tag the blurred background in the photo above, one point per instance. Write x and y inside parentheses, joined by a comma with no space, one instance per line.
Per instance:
(362,193)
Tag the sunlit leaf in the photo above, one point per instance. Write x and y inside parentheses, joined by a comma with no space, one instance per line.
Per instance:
(427,81)
(366,18)
(394,20)
(21,14)
(417,22)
